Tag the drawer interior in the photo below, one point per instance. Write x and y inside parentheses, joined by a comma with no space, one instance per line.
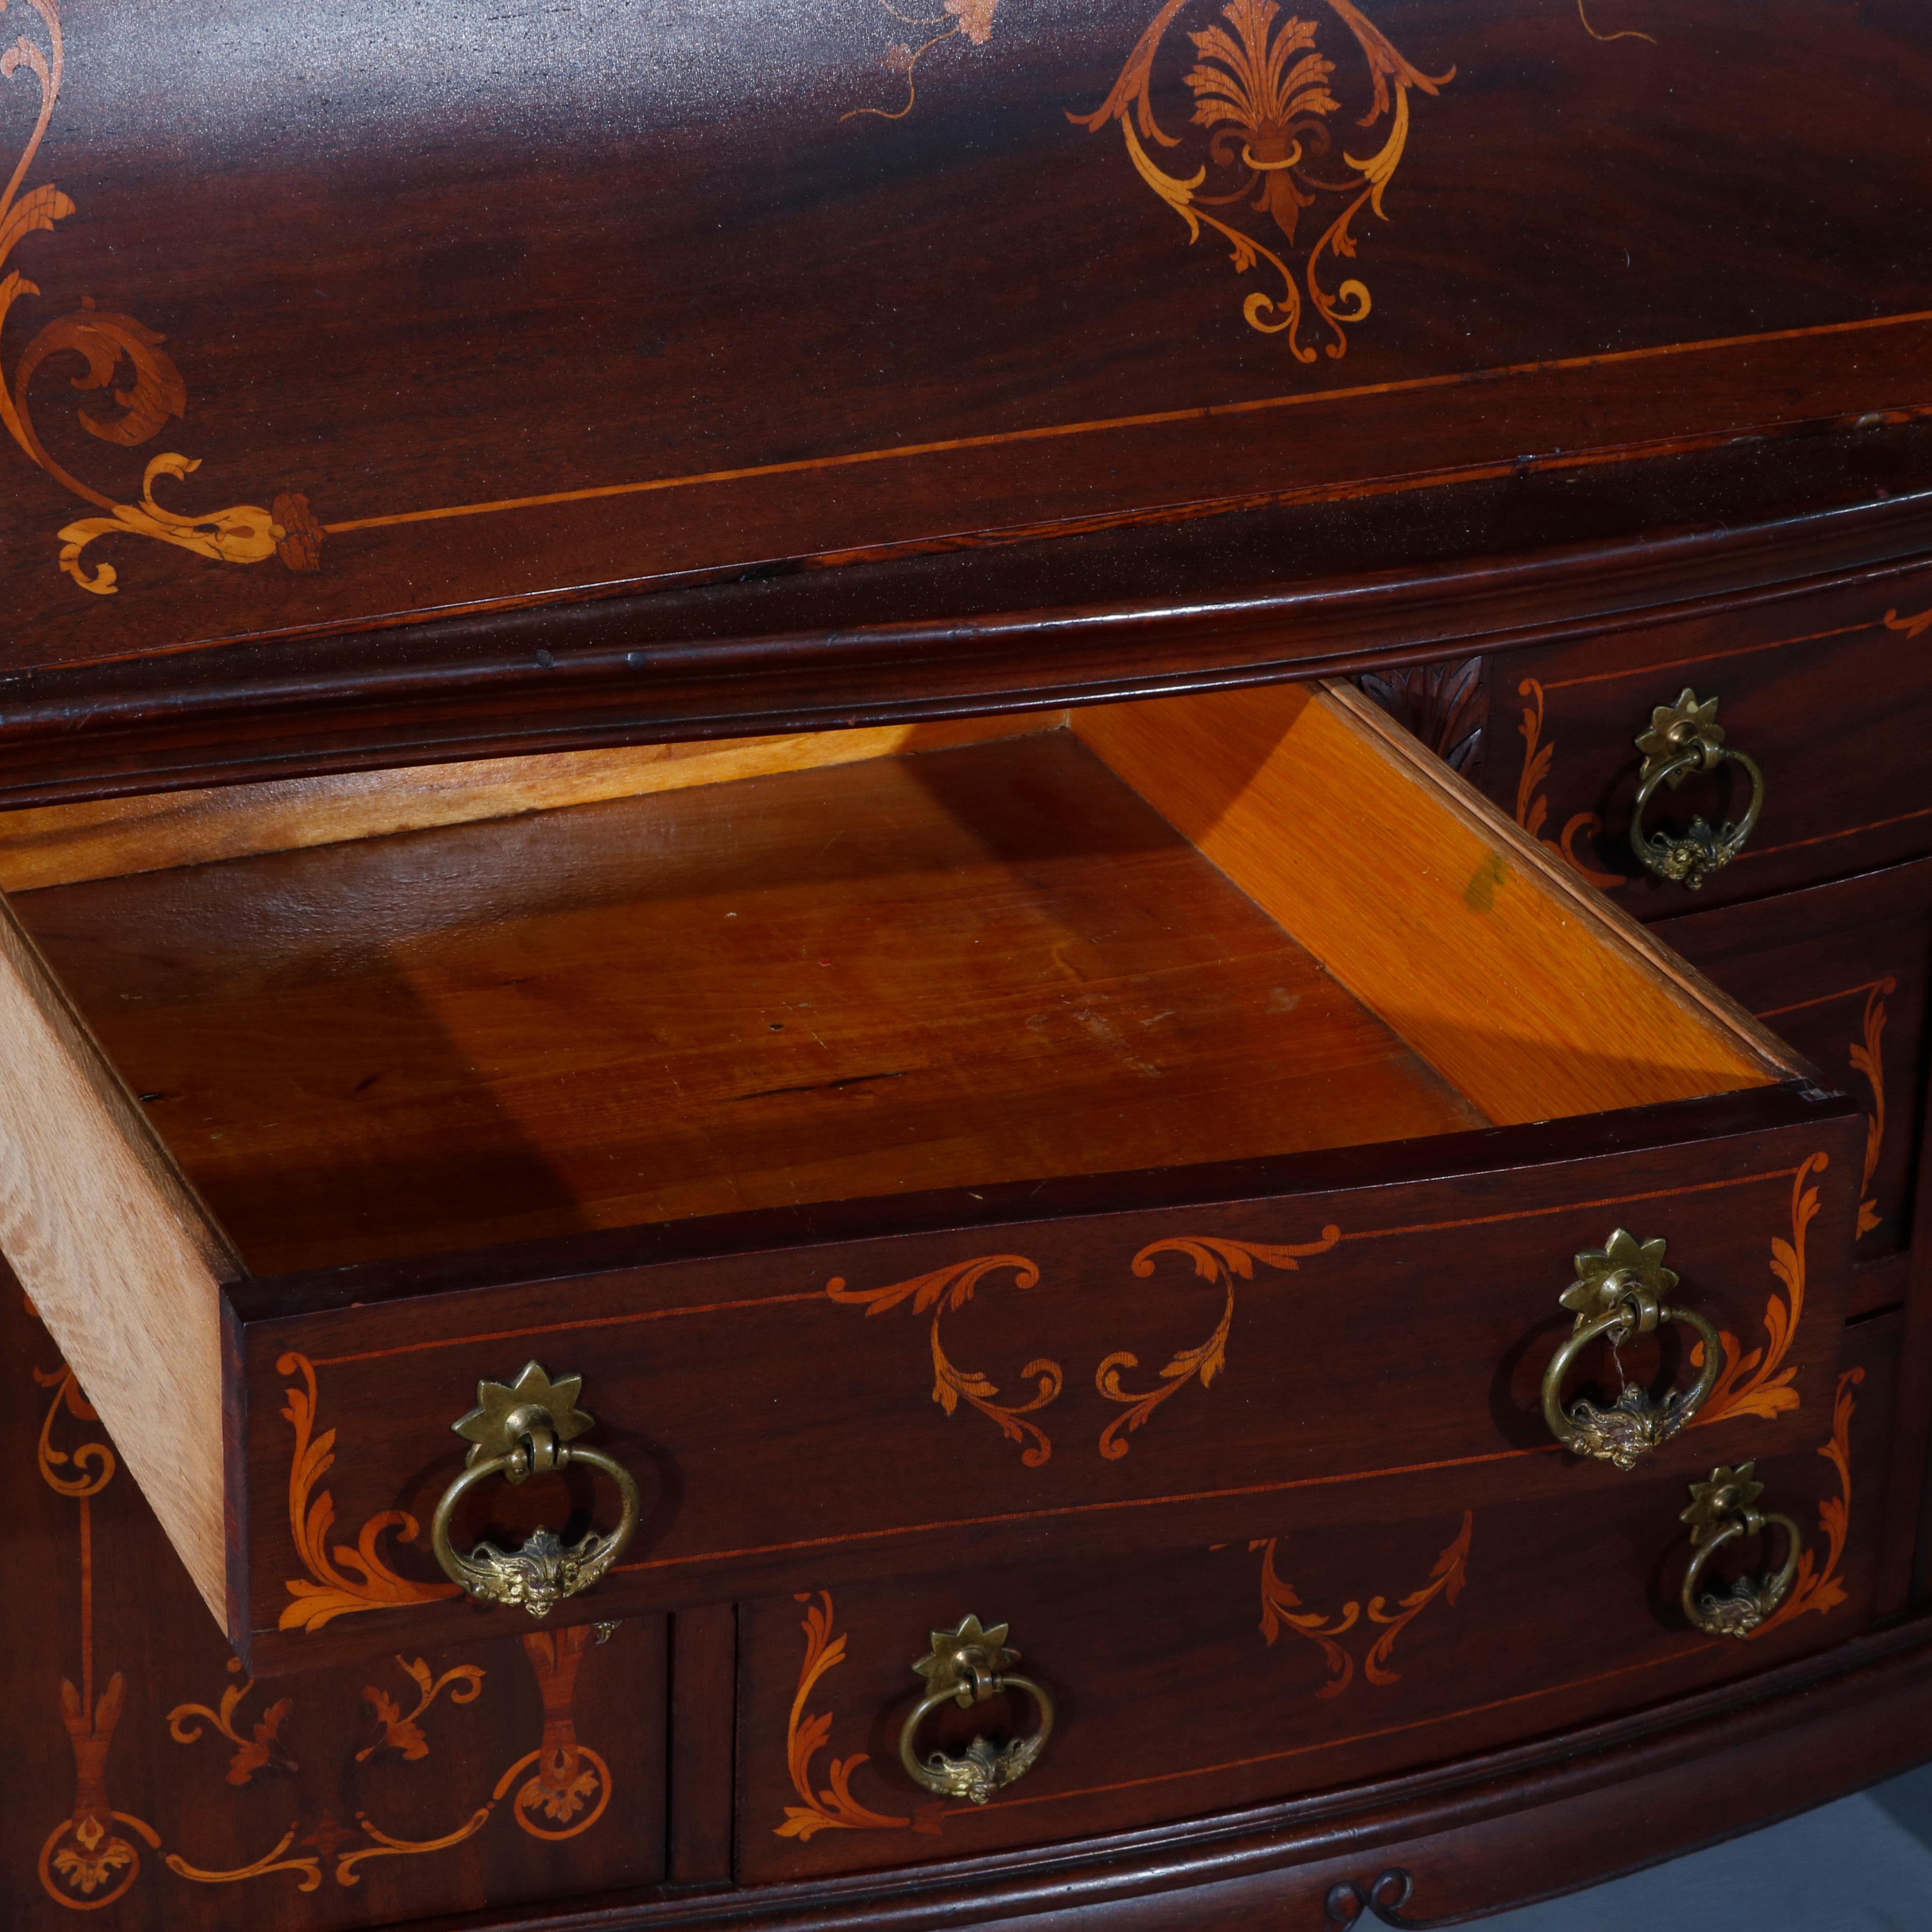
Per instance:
(1150,937)
(1145,936)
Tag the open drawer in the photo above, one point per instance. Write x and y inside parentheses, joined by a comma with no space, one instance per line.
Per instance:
(1047,1140)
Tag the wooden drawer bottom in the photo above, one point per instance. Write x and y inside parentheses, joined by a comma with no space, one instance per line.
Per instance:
(1195,1681)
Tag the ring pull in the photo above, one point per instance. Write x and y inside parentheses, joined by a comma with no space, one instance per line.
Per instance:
(967,1665)
(1721,1511)
(1622,1289)
(1684,738)
(525,1429)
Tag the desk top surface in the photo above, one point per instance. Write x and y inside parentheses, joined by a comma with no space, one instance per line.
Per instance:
(345,320)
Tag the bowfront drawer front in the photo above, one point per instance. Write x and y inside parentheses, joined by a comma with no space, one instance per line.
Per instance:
(1293,1657)
(1088,1382)
(1843,972)
(885,1156)
(1823,705)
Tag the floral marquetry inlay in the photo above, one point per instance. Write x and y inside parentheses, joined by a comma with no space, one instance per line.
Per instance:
(1283,1610)
(1222,1262)
(1759,1382)
(937,1293)
(1532,807)
(970,22)
(1819,1588)
(117,354)
(93,1856)
(830,1806)
(1277,122)
(341,1580)
(1868,1060)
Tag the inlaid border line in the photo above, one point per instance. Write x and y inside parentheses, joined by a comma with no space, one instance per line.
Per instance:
(1007,1803)
(779,1301)
(845,1538)
(1153,419)
(1827,999)
(1625,672)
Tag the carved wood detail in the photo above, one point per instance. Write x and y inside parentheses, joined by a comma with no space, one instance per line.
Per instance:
(1445,704)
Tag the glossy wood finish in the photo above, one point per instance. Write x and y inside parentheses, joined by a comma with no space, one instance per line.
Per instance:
(1804,1731)
(1844,972)
(1295,1657)
(1455,928)
(947,970)
(1050,358)
(101,1225)
(703,1740)
(999,971)
(64,844)
(645,377)
(1831,694)
(149,1780)
(1359,1331)
(1246,599)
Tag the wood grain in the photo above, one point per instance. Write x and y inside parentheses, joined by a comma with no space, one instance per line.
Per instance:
(781,1381)
(995,963)
(1178,1693)
(1148,607)
(1834,702)
(58,845)
(188,1814)
(375,457)
(1843,973)
(120,1257)
(703,1744)
(1525,992)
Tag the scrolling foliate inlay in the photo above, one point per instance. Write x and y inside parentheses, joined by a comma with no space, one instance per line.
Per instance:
(1867,1060)
(831,1807)
(115,349)
(1819,1589)
(1215,1260)
(1264,93)
(969,20)
(951,1288)
(340,1580)
(1282,1609)
(86,1862)
(1759,1383)
(1532,808)
(92,1857)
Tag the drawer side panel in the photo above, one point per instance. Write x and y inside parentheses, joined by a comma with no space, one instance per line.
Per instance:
(118,1257)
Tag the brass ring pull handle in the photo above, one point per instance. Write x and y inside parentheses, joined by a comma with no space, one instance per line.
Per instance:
(1721,1511)
(524,1429)
(966,1667)
(1684,738)
(1620,1290)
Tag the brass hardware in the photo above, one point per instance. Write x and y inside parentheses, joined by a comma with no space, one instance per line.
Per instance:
(1721,1511)
(1684,738)
(967,1665)
(524,1429)
(1621,1290)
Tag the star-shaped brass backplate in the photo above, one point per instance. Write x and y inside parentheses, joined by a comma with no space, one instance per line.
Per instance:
(1624,1269)
(505,1416)
(1723,1501)
(1675,729)
(972,1648)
